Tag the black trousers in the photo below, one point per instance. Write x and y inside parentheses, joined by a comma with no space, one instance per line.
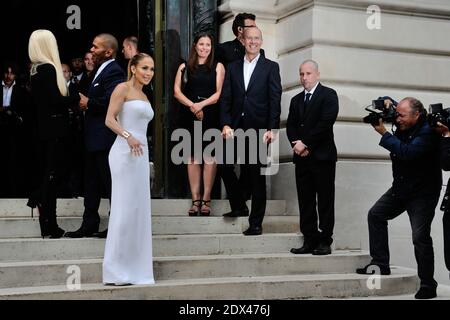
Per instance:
(421,213)
(233,186)
(446,226)
(315,192)
(251,183)
(97,186)
(255,187)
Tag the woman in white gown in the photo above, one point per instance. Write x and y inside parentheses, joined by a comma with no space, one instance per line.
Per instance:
(128,251)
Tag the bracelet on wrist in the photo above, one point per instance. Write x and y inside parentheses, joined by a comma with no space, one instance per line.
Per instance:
(125,134)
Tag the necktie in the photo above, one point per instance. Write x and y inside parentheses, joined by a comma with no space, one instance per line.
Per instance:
(307,98)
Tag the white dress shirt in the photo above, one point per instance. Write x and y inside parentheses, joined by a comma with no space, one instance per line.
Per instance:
(249,67)
(7,93)
(312,91)
(78,77)
(102,67)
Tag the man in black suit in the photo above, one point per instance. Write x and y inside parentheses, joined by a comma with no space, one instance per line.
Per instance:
(226,53)
(13,139)
(98,138)
(312,114)
(250,100)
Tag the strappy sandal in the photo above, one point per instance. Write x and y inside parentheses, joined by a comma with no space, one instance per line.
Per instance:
(205,212)
(195,203)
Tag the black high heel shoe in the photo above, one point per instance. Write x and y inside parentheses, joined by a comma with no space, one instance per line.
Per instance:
(207,211)
(198,205)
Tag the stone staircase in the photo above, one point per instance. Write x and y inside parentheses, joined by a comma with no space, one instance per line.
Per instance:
(195,258)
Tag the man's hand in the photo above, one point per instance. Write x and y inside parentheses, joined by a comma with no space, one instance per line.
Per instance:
(380,128)
(227,132)
(268,137)
(298,147)
(443,130)
(83,102)
(387,103)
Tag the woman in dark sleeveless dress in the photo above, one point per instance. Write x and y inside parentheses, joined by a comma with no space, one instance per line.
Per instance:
(198,99)
(50,95)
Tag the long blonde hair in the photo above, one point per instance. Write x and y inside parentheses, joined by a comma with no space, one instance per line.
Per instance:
(42,48)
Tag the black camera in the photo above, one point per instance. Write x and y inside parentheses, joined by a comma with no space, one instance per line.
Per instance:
(378,110)
(438,114)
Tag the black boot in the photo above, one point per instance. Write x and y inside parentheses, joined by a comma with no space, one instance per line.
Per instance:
(54,230)
(44,222)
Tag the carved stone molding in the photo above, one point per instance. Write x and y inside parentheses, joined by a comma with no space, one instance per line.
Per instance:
(276,9)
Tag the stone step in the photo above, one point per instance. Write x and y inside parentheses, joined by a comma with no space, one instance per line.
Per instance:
(45,273)
(37,249)
(168,225)
(14,208)
(402,281)
(443,293)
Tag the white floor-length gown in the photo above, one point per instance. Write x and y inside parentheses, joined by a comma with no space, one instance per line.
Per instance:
(128,252)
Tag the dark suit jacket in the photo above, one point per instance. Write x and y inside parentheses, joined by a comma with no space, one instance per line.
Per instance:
(315,125)
(260,103)
(98,136)
(84,84)
(51,107)
(20,100)
(231,51)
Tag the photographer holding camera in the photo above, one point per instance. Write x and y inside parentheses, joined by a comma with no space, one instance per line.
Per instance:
(414,149)
(445,206)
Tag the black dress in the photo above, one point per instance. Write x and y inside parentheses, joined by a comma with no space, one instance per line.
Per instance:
(200,86)
(53,129)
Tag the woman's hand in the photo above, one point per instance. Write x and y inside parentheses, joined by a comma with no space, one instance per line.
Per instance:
(135,146)
(199,115)
(196,108)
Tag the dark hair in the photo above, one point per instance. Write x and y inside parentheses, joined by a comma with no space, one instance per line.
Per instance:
(9,64)
(193,57)
(239,21)
(135,61)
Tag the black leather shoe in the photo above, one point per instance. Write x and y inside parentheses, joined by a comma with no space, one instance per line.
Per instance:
(236,213)
(101,234)
(253,231)
(372,268)
(426,293)
(80,233)
(303,250)
(322,250)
